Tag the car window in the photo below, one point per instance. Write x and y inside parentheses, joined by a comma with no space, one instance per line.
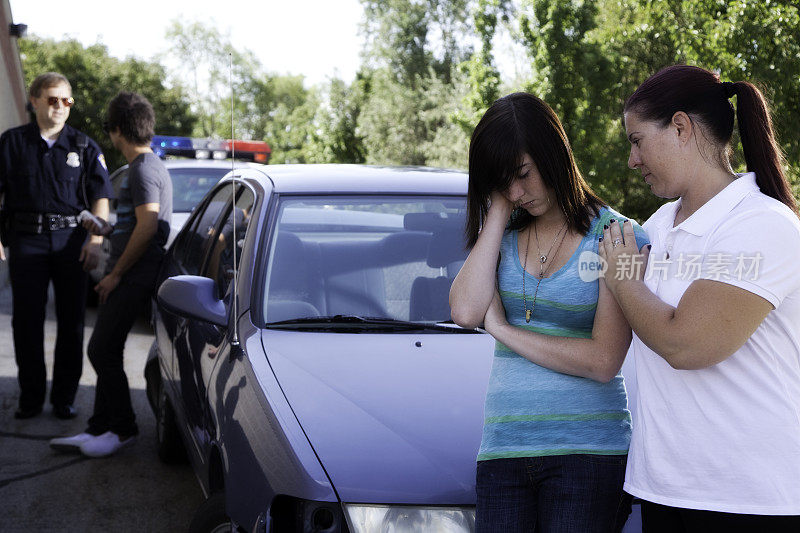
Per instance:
(221,254)
(190,185)
(190,251)
(372,256)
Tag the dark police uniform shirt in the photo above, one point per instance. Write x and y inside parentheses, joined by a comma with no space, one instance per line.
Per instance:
(38,179)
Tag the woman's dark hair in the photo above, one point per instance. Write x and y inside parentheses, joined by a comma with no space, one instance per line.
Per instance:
(133,116)
(515,125)
(700,94)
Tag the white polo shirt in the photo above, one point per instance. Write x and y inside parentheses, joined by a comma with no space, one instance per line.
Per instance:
(724,438)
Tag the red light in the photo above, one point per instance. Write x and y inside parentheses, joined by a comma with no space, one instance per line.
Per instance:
(258,151)
(249,146)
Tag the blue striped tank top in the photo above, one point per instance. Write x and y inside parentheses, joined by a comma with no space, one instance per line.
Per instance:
(534,411)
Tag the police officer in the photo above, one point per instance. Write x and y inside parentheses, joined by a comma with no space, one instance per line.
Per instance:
(49,172)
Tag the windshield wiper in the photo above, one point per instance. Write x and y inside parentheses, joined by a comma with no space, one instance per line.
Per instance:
(364,324)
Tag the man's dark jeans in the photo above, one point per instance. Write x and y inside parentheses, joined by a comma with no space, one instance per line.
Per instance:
(559,493)
(112,401)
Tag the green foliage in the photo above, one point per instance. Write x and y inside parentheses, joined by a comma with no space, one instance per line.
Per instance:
(416,91)
(754,41)
(589,56)
(399,29)
(286,113)
(277,109)
(411,37)
(413,126)
(337,139)
(205,64)
(391,122)
(96,78)
(429,73)
(484,78)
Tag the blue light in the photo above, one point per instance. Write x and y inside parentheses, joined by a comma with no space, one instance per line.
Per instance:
(170,142)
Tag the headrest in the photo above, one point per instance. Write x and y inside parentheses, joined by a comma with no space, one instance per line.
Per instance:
(446,247)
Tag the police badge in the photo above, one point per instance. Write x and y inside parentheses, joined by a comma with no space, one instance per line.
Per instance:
(73,160)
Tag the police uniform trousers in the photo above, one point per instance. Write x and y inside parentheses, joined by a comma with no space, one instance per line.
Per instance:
(35,260)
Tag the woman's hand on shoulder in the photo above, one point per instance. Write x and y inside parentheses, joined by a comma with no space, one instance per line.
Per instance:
(620,252)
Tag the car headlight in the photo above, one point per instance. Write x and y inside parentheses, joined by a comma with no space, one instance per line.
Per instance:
(408,519)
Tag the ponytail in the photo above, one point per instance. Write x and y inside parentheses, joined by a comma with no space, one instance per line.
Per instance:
(697,91)
(762,154)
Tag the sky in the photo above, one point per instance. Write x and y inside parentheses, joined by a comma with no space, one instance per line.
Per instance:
(316,38)
(319,39)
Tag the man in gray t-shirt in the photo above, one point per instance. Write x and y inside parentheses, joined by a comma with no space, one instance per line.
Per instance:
(144,209)
(147,182)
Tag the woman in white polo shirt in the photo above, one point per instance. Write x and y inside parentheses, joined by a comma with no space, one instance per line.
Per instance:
(716,314)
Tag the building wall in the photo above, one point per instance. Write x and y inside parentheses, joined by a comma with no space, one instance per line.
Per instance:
(12,83)
(12,92)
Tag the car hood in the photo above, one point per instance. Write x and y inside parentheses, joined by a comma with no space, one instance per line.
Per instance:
(394,418)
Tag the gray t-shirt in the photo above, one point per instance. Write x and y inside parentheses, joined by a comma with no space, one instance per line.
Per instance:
(147,182)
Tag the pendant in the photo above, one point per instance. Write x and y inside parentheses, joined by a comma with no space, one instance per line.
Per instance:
(543,259)
(528,315)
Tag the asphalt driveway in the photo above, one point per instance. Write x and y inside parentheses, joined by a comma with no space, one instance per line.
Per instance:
(42,490)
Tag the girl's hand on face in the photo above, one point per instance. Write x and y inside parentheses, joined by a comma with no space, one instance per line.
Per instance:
(499,201)
(618,249)
(495,315)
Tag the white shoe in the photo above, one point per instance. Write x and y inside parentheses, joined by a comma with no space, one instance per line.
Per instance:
(104,445)
(70,444)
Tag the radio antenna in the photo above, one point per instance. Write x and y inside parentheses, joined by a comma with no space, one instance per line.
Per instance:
(235,348)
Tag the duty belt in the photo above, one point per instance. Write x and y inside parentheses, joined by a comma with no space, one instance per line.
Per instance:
(42,222)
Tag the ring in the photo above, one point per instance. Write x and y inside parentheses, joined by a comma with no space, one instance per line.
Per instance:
(615,243)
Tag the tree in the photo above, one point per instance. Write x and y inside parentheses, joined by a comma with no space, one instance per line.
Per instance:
(415,90)
(285,112)
(484,78)
(96,78)
(208,68)
(414,126)
(337,138)
(410,37)
(269,107)
(589,56)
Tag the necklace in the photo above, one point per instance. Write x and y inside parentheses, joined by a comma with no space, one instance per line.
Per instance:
(542,267)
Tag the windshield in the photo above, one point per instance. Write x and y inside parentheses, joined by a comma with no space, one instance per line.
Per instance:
(369,256)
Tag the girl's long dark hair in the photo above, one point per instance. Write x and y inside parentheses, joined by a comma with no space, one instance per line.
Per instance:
(699,93)
(513,126)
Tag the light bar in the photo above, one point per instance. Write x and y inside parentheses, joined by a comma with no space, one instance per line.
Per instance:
(164,145)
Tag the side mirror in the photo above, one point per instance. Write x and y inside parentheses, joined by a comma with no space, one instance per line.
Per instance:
(193,297)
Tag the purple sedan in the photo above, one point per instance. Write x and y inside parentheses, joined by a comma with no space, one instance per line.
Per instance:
(327,389)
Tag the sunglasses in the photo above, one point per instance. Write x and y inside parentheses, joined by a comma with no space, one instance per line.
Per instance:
(66,102)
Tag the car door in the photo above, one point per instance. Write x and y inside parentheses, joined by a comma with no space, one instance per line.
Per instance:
(199,342)
(190,253)
(177,261)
